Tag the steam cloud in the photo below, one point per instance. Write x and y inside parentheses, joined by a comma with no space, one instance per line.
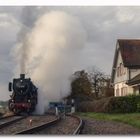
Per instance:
(50,53)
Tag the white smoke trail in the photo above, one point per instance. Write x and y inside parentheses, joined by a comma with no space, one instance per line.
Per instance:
(51,53)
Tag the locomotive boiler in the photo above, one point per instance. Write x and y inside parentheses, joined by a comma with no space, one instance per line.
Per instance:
(24,95)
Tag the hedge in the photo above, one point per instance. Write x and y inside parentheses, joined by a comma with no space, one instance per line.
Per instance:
(123,104)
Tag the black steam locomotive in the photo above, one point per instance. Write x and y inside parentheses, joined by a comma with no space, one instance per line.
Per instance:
(24,95)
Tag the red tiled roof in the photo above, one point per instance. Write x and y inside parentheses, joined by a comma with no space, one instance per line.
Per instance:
(130,51)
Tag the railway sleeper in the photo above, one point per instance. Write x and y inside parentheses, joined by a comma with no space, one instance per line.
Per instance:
(38,128)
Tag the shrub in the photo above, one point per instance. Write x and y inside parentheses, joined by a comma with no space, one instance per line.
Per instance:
(125,104)
(94,106)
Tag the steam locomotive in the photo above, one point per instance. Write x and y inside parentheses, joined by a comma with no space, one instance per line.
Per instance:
(24,95)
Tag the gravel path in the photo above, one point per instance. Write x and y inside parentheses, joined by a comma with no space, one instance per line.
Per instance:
(64,127)
(99,127)
(24,124)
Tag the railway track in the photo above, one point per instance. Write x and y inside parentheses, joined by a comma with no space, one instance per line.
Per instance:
(8,120)
(49,124)
(80,125)
(25,124)
(39,127)
(70,125)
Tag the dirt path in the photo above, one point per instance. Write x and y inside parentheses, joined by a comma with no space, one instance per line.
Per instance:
(99,127)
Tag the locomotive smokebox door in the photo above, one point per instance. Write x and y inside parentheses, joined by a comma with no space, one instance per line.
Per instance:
(10,86)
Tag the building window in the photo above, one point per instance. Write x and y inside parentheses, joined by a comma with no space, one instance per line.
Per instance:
(117,91)
(123,91)
(121,69)
(124,71)
(118,71)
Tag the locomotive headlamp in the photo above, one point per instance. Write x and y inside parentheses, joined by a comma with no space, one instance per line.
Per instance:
(29,101)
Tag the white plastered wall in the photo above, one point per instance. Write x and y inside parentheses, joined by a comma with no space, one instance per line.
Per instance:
(134,72)
(124,77)
(123,85)
(119,81)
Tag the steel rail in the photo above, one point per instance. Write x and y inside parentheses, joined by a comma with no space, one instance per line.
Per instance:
(5,117)
(40,127)
(80,126)
(10,122)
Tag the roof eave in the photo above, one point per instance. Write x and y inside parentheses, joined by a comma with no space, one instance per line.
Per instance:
(114,64)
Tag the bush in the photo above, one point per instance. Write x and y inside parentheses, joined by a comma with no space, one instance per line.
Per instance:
(80,98)
(94,106)
(126,104)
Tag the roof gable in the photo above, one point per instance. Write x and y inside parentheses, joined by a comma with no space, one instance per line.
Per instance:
(115,62)
(130,51)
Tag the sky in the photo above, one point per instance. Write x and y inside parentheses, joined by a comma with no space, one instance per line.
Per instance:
(103,26)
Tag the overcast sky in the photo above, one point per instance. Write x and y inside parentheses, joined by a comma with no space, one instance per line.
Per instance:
(103,25)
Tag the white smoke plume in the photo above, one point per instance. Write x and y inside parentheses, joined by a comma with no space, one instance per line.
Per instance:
(50,53)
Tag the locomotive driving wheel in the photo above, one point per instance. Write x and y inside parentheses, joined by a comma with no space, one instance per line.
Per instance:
(16,111)
(10,105)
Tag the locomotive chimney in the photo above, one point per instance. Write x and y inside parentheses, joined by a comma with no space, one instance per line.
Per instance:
(22,76)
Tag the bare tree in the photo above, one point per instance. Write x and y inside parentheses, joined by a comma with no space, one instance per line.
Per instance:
(97,78)
(92,83)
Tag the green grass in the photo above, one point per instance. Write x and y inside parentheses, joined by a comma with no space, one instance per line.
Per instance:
(131,118)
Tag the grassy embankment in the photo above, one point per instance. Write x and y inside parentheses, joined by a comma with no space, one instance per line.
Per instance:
(131,118)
